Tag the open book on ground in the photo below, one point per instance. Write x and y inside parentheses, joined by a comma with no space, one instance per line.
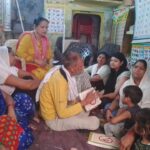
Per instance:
(94,103)
(101,140)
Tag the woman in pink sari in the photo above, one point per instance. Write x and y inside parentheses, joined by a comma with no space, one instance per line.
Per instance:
(35,48)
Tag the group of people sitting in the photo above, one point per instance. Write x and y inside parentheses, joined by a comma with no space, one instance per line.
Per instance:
(125,99)
(18,87)
(124,93)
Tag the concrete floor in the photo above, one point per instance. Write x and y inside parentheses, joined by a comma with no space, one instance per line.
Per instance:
(46,139)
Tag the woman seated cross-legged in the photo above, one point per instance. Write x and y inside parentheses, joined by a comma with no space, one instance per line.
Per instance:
(99,72)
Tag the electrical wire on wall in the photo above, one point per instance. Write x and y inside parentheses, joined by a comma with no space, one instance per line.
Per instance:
(20,17)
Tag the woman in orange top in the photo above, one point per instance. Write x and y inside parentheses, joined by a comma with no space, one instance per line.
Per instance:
(35,48)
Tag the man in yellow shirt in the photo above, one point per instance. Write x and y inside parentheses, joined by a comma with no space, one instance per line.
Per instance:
(58,89)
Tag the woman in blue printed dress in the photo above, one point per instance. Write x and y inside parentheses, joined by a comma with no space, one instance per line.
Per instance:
(19,132)
(13,83)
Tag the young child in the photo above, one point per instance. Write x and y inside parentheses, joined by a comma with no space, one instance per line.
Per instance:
(125,120)
(142,128)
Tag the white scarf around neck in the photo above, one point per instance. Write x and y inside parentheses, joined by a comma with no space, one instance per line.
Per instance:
(72,93)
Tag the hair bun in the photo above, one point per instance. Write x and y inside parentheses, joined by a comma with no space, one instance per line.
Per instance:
(38,20)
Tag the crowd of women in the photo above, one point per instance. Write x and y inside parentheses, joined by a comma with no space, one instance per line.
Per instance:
(58,90)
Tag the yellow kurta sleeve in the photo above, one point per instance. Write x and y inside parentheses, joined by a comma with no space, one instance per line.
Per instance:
(25,48)
(53,99)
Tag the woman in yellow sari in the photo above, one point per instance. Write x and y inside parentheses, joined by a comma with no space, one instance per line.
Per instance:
(35,48)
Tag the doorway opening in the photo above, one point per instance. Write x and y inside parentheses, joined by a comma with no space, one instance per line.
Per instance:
(86,28)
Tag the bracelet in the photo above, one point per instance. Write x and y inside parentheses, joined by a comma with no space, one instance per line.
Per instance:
(10,105)
(110,110)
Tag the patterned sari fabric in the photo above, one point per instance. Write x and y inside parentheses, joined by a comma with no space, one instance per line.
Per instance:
(24,109)
(2,104)
(10,132)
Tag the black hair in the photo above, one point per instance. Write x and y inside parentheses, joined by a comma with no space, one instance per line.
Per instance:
(141,61)
(103,53)
(111,82)
(38,20)
(121,57)
(59,44)
(143,122)
(107,57)
(134,93)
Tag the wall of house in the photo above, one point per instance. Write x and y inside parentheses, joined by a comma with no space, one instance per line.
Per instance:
(72,8)
(30,9)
